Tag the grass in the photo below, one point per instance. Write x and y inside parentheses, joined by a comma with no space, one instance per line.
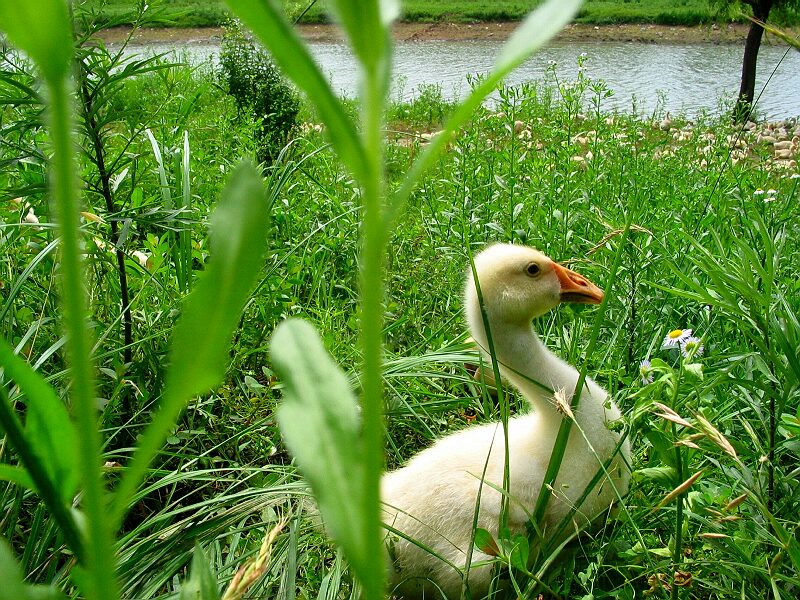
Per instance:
(710,248)
(200,13)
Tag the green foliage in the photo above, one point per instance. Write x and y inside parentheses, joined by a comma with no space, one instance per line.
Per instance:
(259,90)
(427,109)
(49,434)
(786,10)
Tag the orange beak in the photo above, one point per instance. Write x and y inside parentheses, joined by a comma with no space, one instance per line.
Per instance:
(576,288)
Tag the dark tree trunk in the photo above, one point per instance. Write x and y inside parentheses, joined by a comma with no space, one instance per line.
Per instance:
(744,103)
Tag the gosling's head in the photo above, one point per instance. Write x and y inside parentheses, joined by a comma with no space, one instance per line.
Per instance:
(519,283)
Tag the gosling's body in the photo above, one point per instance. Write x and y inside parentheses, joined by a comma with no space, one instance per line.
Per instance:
(433,498)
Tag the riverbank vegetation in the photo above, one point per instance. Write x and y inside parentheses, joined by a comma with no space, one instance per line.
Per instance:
(690,225)
(199,13)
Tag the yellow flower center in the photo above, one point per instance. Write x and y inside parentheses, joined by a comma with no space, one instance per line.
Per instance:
(675,333)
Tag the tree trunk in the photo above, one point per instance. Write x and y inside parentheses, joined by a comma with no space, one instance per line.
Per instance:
(744,104)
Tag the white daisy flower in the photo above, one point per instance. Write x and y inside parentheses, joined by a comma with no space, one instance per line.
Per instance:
(646,372)
(675,338)
(692,346)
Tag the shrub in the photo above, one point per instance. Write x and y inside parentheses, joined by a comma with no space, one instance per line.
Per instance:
(259,90)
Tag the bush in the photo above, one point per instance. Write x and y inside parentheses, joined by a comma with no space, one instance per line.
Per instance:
(259,90)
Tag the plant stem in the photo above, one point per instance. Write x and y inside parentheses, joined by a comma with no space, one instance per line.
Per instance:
(677,552)
(632,312)
(93,132)
(373,255)
(773,391)
(100,563)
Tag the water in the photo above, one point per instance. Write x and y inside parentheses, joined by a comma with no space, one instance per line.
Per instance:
(680,78)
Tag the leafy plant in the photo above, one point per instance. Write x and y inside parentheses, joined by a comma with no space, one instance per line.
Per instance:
(198,356)
(259,90)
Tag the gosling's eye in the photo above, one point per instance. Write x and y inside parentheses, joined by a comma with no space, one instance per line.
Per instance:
(533,269)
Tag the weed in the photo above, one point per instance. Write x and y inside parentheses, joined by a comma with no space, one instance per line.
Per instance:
(259,90)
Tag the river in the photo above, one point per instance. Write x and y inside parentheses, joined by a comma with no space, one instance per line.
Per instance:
(679,78)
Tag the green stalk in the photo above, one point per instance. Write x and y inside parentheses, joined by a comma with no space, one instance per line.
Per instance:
(373,255)
(100,562)
(679,477)
(676,551)
(502,398)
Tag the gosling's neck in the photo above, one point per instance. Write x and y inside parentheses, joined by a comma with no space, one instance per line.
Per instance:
(525,362)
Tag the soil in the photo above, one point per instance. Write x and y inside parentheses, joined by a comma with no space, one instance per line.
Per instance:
(711,34)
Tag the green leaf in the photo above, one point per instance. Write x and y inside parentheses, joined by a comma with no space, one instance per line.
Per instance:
(694,369)
(42,30)
(366,23)
(199,353)
(663,446)
(666,477)
(18,476)
(49,432)
(519,552)
(485,542)
(13,581)
(538,27)
(238,229)
(267,22)
(202,584)
(319,421)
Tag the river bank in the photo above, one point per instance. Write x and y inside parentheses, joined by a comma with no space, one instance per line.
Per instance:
(632,32)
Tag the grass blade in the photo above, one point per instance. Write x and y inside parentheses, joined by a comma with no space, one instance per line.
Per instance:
(202,584)
(18,476)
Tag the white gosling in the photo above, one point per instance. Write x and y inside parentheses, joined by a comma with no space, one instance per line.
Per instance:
(432,499)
